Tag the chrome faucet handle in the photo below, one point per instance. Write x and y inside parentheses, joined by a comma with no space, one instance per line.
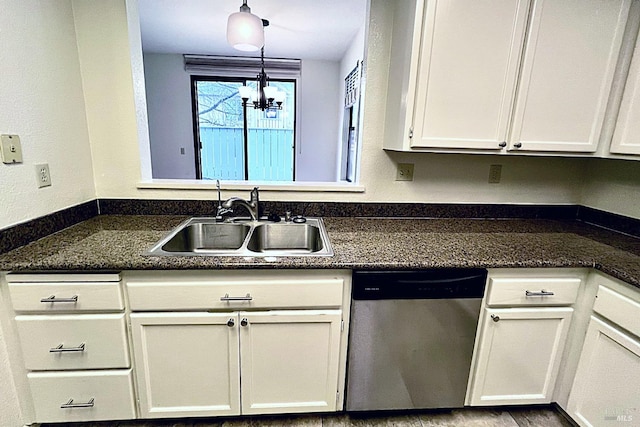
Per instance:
(255,201)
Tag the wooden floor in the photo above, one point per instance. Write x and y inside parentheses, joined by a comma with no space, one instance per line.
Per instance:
(526,417)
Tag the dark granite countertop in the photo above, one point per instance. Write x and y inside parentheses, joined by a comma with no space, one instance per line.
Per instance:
(114,242)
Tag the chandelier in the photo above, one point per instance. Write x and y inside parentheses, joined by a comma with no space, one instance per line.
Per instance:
(265,97)
(245,31)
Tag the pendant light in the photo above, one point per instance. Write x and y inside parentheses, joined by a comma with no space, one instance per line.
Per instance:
(244,30)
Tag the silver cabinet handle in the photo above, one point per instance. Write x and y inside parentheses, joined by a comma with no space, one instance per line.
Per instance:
(53,298)
(61,349)
(244,322)
(230,323)
(542,293)
(70,404)
(518,145)
(495,318)
(226,297)
(502,144)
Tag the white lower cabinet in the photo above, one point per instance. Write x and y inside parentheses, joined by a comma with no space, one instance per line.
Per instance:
(193,364)
(519,355)
(238,342)
(74,344)
(605,390)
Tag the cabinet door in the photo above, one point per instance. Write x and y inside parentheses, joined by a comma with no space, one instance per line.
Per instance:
(519,355)
(289,361)
(605,389)
(625,137)
(567,71)
(187,364)
(469,58)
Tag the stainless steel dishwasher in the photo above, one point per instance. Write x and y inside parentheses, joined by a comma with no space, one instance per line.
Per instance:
(411,338)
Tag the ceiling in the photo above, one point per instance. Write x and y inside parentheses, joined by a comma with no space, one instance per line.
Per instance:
(304,29)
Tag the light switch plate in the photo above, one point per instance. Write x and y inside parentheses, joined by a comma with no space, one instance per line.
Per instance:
(11,149)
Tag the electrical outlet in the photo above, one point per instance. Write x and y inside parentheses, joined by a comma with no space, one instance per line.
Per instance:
(495,172)
(404,172)
(42,175)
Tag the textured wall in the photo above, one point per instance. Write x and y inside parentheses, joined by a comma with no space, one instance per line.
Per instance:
(42,102)
(614,186)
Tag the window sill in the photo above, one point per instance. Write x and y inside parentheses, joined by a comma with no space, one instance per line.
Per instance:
(195,184)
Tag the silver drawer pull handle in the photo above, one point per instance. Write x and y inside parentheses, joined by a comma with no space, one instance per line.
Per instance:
(53,298)
(226,297)
(495,317)
(542,293)
(62,349)
(70,404)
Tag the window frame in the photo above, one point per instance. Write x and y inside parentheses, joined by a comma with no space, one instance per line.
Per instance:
(195,78)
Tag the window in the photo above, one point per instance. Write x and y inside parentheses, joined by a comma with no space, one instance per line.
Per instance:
(236,142)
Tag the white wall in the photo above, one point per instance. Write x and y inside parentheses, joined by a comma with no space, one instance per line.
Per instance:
(168,88)
(105,64)
(353,55)
(613,185)
(318,121)
(41,101)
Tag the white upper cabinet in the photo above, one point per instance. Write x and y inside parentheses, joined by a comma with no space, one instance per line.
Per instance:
(567,71)
(469,58)
(502,75)
(625,138)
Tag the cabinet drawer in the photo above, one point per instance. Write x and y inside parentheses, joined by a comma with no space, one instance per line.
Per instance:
(619,309)
(532,292)
(66,296)
(89,341)
(232,295)
(106,395)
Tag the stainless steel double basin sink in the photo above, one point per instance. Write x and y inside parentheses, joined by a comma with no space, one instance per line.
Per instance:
(206,237)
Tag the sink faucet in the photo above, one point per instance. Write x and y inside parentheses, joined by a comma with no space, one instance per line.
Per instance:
(253,205)
(220,210)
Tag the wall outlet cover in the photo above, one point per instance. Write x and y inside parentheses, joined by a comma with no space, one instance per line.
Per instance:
(43,176)
(495,173)
(404,172)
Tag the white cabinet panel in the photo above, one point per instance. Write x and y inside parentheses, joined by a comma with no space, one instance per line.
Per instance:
(605,390)
(186,364)
(82,395)
(619,309)
(90,341)
(146,294)
(469,58)
(290,361)
(568,67)
(518,355)
(89,296)
(547,291)
(625,137)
